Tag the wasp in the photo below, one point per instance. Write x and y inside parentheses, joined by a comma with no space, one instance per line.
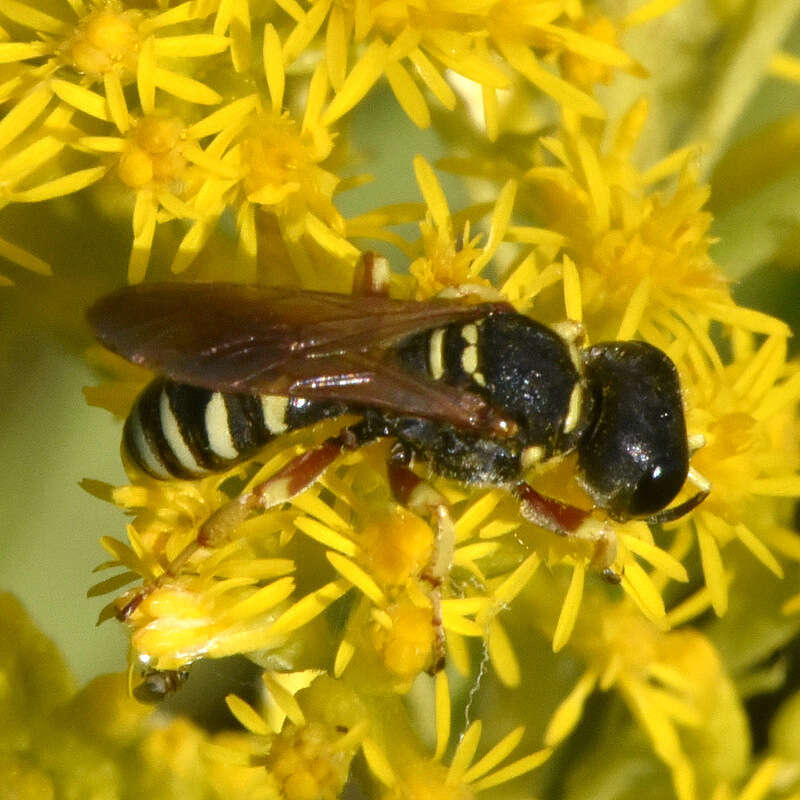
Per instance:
(480,392)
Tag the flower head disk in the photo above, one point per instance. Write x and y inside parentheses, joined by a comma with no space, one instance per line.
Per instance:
(153,154)
(306,764)
(106,40)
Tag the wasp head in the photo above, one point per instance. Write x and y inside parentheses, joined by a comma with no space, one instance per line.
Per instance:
(634,458)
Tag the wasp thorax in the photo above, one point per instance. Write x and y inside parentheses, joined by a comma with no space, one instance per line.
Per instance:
(635,457)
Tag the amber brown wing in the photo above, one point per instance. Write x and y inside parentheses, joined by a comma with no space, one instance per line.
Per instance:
(235,338)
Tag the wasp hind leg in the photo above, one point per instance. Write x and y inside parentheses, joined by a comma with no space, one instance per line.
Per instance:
(287,482)
(420,497)
(290,480)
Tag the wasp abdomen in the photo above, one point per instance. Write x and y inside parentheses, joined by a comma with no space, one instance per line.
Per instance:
(183,431)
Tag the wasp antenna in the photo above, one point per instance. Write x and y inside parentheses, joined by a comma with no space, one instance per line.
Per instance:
(676,512)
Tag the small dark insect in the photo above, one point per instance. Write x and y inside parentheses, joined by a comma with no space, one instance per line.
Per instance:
(478,391)
(157,684)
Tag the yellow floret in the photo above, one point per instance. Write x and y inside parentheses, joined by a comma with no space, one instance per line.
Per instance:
(106,40)
(406,647)
(306,763)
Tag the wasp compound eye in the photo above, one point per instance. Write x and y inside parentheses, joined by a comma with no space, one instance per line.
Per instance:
(635,458)
(656,488)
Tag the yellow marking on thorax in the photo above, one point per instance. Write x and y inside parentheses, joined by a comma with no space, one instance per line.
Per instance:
(575,409)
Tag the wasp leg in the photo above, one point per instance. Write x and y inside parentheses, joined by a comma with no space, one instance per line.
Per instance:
(420,497)
(566,520)
(287,482)
(371,276)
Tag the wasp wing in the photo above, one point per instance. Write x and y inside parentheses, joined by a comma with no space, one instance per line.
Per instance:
(234,338)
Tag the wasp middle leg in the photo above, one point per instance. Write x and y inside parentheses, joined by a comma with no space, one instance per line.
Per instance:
(420,497)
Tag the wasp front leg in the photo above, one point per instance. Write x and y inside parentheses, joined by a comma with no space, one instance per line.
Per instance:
(566,520)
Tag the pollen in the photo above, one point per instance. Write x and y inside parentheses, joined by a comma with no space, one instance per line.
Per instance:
(306,763)
(406,648)
(153,153)
(106,40)
(396,547)
(277,161)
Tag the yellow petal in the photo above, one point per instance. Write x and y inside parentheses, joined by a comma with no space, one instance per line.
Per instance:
(570,710)
(273,67)
(361,79)
(184,87)
(247,715)
(570,608)
(498,753)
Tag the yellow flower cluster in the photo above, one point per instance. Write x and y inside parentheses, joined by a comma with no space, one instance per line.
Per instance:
(99,741)
(393,642)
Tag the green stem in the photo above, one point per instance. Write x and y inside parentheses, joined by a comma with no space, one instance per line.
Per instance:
(757,36)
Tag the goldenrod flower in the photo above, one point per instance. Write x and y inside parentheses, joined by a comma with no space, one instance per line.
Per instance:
(437,36)
(109,43)
(670,680)
(446,256)
(745,413)
(403,621)
(446,649)
(59,742)
(280,177)
(197,602)
(309,756)
(404,772)
(163,162)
